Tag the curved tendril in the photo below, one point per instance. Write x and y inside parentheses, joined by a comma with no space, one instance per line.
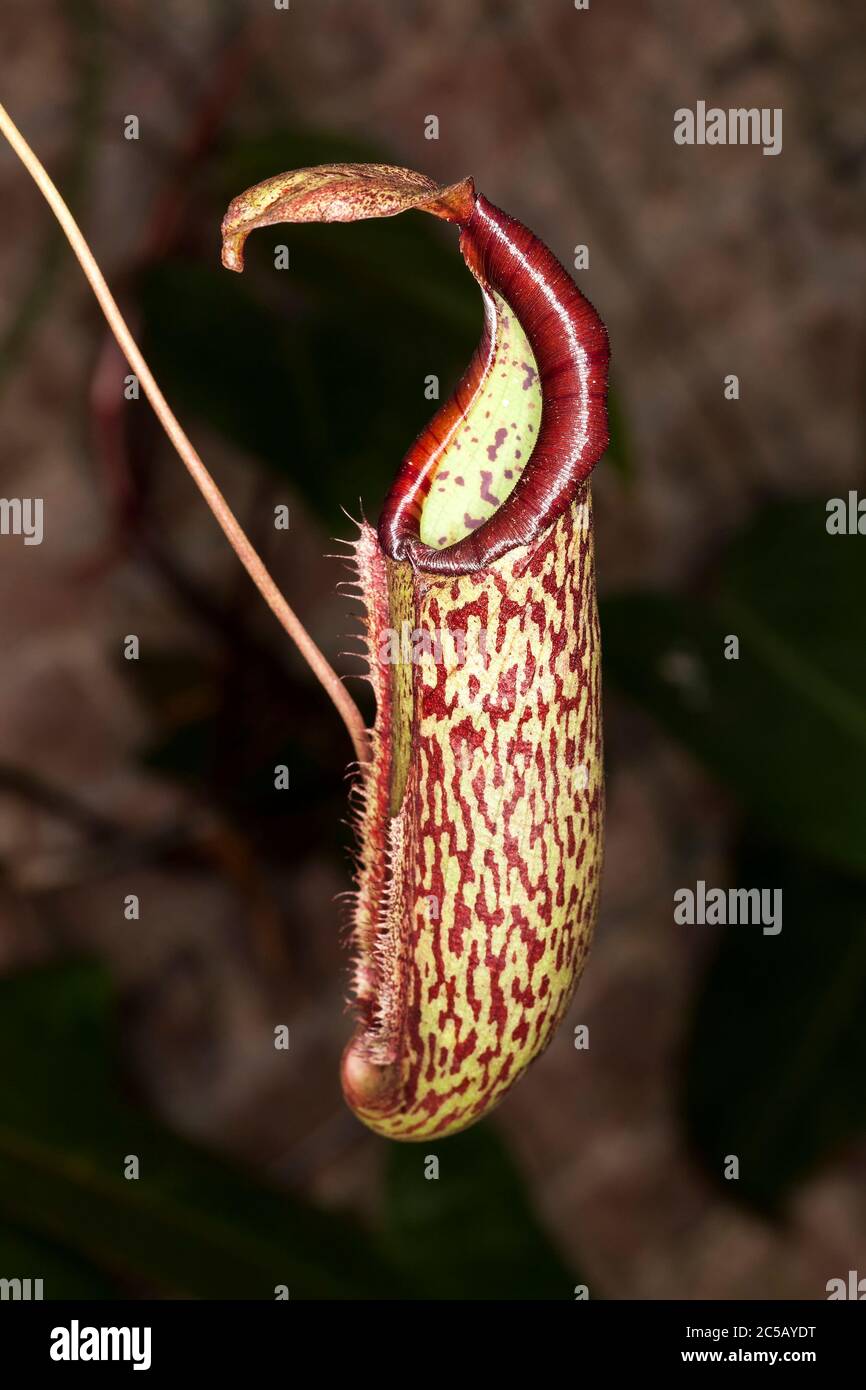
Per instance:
(232,529)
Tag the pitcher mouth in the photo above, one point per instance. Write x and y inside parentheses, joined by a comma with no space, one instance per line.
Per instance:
(569,346)
(518,277)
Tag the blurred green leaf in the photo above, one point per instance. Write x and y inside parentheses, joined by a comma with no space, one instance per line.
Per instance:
(776,1055)
(784,726)
(64,1275)
(222,355)
(308,816)
(191,1225)
(618,452)
(471,1233)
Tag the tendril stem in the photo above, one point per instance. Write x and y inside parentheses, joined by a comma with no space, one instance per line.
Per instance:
(237,538)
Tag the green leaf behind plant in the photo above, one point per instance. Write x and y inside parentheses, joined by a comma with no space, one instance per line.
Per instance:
(784,726)
(470,1233)
(776,1054)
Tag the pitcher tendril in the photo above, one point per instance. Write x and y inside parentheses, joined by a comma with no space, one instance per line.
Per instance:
(237,538)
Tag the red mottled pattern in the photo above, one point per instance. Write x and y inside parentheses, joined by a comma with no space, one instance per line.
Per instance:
(494,855)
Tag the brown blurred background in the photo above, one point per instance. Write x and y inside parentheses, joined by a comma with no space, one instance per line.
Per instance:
(155,777)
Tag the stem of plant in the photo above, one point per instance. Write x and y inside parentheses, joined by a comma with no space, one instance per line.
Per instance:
(248,556)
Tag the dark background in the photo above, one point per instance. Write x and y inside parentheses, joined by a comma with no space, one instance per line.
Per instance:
(155,1037)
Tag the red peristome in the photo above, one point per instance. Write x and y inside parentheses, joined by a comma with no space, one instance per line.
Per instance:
(571,350)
